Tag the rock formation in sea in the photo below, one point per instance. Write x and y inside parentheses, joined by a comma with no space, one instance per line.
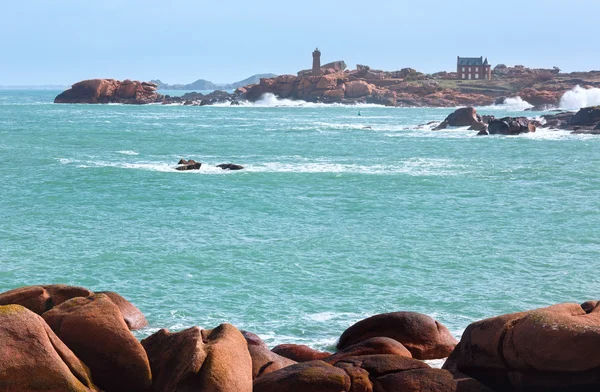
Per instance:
(82,342)
(110,91)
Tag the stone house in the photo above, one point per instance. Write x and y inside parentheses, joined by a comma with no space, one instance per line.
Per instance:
(473,68)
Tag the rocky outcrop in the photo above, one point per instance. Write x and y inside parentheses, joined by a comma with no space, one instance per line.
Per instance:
(510,126)
(371,346)
(133,317)
(423,336)
(463,117)
(110,91)
(184,165)
(94,329)
(200,360)
(33,358)
(549,349)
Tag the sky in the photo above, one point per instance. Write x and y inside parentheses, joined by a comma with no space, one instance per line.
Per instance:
(61,42)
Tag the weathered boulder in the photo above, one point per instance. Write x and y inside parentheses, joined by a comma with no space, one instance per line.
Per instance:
(215,360)
(358,89)
(370,373)
(463,117)
(510,126)
(314,376)
(264,361)
(371,346)
(40,299)
(423,336)
(33,358)
(230,166)
(110,91)
(94,329)
(549,349)
(299,352)
(133,317)
(541,98)
(188,165)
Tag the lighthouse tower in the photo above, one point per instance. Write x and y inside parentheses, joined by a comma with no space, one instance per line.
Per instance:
(316,68)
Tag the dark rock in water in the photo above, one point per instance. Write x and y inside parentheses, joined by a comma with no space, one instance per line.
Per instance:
(110,91)
(188,165)
(487,118)
(230,166)
(463,117)
(586,116)
(510,126)
(483,132)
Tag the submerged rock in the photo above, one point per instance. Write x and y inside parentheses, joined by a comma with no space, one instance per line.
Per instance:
(230,166)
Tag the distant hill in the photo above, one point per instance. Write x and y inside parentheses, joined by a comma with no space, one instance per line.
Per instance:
(202,84)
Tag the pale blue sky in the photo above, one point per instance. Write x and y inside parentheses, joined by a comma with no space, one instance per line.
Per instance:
(179,41)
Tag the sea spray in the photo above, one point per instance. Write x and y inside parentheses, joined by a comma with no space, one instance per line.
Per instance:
(580,97)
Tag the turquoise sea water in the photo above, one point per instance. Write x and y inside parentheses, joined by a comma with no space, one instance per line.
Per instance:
(330,222)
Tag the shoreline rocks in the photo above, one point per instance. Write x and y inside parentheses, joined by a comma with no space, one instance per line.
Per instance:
(110,91)
(84,343)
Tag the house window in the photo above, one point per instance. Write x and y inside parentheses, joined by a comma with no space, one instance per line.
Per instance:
(463,70)
(476,76)
(469,76)
(469,69)
(476,69)
(463,75)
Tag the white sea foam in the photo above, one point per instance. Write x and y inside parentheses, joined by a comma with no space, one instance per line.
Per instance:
(270,100)
(128,152)
(514,104)
(580,97)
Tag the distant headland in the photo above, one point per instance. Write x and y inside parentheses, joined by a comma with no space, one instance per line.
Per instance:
(475,82)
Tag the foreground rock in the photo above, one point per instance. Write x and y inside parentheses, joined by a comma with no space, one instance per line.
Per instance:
(33,358)
(110,91)
(299,352)
(40,299)
(586,120)
(264,361)
(94,329)
(133,317)
(200,360)
(550,349)
(423,336)
(377,373)
(371,346)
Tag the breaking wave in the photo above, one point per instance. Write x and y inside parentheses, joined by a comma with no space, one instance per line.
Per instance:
(515,103)
(580,97)
(270,100)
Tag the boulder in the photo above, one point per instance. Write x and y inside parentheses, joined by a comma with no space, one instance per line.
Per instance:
(371,346)
(541,98)
(423,336)
(214,360)
(40,299)
(314,376)
(230,166)
(510,126)
(133,317)
(94,329)
(299,352)
(264,361)
(463,117)
(33,358)
(549,349)
(358,89)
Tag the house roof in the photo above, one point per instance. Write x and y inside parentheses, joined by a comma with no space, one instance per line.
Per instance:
(470,61)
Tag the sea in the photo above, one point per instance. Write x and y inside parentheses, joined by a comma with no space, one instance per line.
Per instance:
(341,212)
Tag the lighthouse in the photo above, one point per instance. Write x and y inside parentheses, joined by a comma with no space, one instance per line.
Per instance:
(316,68)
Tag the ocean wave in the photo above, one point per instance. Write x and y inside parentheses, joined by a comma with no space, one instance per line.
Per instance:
(270,100)
(580,97)
(128,152)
